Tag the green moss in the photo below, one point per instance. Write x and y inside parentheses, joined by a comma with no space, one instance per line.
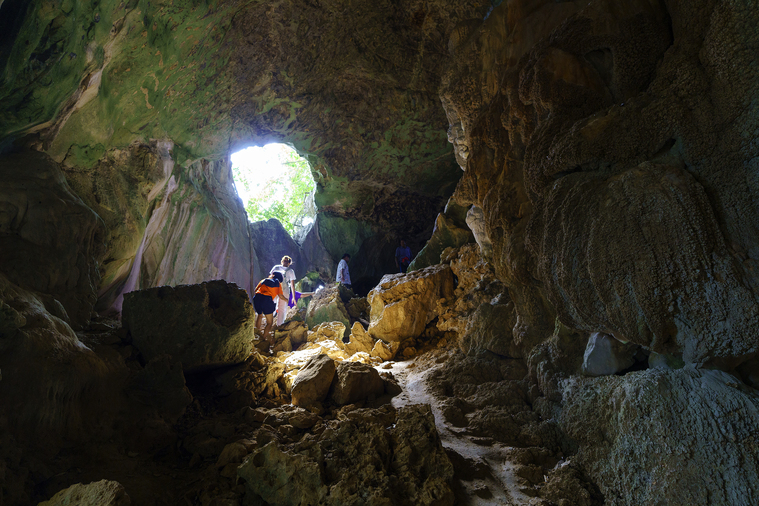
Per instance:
(341,235)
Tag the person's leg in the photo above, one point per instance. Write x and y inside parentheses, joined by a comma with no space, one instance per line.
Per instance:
(281,310)
(259,317)
(269,322)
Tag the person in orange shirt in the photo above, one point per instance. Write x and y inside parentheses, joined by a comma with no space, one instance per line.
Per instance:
(264,304)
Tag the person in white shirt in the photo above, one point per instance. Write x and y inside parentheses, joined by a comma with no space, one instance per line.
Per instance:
(287,285)
(343,276)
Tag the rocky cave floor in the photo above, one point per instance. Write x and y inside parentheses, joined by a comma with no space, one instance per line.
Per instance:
(501,450)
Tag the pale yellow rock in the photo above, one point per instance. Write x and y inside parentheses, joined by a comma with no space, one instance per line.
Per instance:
(364,358)
(403,305)
(328,331)
(384,351)
(360,340)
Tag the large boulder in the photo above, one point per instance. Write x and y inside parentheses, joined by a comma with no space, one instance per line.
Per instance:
(203,326)
(403,305)
(98,493)
(662,436)
(355,382)
(327,306)
(313,382)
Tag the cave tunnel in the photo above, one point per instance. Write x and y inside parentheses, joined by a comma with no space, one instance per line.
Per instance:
(577,182)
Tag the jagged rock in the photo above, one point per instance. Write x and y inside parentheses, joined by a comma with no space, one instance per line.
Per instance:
(327,306)
(97,493)
(360,340)
(604,355)
(354,382)
(358,454)
(476,285)
(313,381)
(203,326)
(619,422)
(303,419)
(403,305)
(392,387)
(450,231)
(384,351)
(475,220)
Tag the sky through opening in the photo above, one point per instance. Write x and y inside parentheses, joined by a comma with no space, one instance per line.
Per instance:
(273,181)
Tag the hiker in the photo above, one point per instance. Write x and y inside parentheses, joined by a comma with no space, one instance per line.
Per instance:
(288,286)
(402,257)
(343,276)
(263,301)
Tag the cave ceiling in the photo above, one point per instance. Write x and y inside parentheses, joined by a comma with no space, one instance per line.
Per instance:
(351,85)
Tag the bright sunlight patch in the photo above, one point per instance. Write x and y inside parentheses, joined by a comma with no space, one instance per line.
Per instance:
(273,181)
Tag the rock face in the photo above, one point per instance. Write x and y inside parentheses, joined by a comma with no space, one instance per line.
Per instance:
(451,231)
(49,240)
(403,305)
(604,355)
(100,493)
(711,421)
(202,326)
(270,242)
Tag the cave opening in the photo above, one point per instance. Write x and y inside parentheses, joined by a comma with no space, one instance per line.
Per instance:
(274,181)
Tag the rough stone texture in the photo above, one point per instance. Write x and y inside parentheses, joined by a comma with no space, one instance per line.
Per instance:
(661,436)
(202,326)
(475,220)
(450,231)
(313,381)
(360,340)
(327,306)
(99,493)
(490,329)
(604,355)
(49,240)
(161,385)
(357,460)
(355,382)
(476,285)
(403,305)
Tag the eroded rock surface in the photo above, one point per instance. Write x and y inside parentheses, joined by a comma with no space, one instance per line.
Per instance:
(403,305)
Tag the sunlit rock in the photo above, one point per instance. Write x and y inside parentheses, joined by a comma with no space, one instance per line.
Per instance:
(476,285)
(403,305)
(360,340)
(313,381)
(99,493)
(203,326)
